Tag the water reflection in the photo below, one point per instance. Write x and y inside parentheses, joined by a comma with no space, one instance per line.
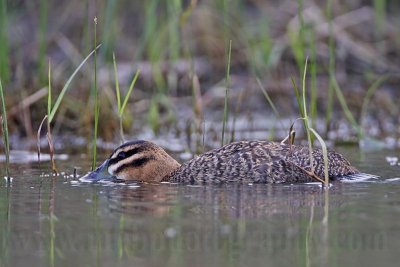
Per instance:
(231,212)
(47,221)
(226,201)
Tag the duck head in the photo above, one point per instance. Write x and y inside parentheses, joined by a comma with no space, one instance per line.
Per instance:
(141,161)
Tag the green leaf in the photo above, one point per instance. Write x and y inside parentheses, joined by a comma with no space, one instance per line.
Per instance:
(5,131)
(129,92)
(49,92)
(117,91)
(65,88)
(324,153)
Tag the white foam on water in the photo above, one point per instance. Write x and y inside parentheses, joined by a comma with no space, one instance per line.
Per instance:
(360,177)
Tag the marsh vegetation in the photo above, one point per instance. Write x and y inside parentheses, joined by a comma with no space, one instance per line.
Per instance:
(197,58)
(79,77)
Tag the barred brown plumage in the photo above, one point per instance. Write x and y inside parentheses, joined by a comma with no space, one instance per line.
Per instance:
(260,162)
(243,161)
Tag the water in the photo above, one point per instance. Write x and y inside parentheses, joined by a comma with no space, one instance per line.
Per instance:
(47,221)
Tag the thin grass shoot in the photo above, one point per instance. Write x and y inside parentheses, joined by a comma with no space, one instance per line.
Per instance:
(121,107)
(272,105)
(370,92)
(309,130)
(67,84)
(268,98)
(345,107)
(300,44)
(108,32)
(331,67)
(324,154)
(313,82)
(5,133)
(227,85)
(380,7)
(4,49)
(52,110)
(96,100)
(43,17)
(305,116)
(48,134)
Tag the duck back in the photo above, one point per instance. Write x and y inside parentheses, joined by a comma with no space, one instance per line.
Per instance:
(260,162)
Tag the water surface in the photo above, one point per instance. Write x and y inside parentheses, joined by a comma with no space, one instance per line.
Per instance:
(57,221)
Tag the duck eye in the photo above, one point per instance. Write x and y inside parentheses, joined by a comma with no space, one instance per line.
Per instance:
(121,155)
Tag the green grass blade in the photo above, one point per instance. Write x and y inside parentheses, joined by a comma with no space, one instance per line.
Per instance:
(5,131)
(117,90)
(304,89)
(154,114)
(305,116)
(227,84)
(301,54)
(370,92)
(43,19)
(313,72)
(324,154)
(4,49)
(268,98)
(108,32)
(174,10)
(298,98)
(344,105)
(129,91)
(49,92)
(270,102)
(65,88)
(380,7)
(96,99)
(332,64)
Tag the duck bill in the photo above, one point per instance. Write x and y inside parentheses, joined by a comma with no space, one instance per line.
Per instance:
(101,173)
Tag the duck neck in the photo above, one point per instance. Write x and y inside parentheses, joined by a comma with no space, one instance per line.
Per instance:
(173,170)
(170,168)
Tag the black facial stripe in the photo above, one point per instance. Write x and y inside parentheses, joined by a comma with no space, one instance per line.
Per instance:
(127,154)
(134,164)
(131,143)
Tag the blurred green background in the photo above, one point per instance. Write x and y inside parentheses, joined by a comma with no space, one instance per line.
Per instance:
(181,48)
